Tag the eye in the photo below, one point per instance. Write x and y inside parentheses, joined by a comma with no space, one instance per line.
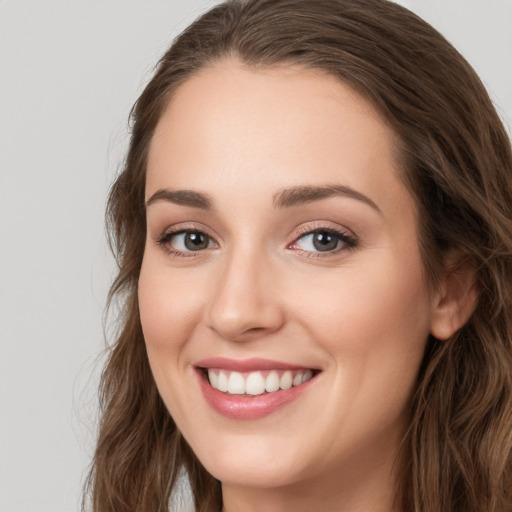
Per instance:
(186,241)
(324,240)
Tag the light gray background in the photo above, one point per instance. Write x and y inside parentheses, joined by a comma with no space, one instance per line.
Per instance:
(69,73)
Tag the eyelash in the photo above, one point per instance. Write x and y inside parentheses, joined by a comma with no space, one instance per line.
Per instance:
(348,241)
(165,238)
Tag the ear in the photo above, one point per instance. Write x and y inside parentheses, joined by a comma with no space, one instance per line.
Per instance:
(455,299)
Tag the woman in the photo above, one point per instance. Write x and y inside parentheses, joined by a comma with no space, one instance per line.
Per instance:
(314,236)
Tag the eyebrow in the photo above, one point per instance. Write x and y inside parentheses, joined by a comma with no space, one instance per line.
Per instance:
(285,198)
(296,196)
(182,197)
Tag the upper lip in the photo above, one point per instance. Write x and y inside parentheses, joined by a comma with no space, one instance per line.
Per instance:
(247,365)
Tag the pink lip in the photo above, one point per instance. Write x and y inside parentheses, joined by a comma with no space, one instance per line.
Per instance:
(246,365)
(245,407)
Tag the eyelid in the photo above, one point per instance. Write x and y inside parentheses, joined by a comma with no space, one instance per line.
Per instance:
(349,239)
(162,239)
(316,225)
(184,226)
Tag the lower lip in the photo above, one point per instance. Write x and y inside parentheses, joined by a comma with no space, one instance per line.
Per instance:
(245,407)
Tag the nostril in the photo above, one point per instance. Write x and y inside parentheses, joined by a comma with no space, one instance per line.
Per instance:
(240,333)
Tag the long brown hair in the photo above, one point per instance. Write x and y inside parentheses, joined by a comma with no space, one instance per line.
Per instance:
(456,160)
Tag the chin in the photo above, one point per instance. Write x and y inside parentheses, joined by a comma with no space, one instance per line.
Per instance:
(257,474)
(251,461)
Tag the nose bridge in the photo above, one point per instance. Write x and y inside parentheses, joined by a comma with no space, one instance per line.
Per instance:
(243,302)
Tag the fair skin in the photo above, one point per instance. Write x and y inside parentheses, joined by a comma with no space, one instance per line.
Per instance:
(332,284)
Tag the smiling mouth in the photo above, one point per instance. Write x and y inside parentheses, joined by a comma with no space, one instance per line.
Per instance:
(255,383)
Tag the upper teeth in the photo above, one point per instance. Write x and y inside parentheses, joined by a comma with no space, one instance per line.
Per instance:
(256,383)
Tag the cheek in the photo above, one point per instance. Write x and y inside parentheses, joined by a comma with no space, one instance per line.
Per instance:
(374,327)
(168,312)
(383,297)
(373,321)
(168,307)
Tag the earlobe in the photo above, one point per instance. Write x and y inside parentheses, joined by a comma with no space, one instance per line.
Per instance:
(455,300)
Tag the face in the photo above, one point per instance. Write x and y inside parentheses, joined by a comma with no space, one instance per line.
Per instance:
(281,294)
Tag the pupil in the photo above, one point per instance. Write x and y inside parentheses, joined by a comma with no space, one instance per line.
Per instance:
(196,241)
(324,241)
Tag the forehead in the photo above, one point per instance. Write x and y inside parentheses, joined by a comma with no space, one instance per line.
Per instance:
(270,128)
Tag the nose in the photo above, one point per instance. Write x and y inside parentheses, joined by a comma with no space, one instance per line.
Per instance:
(246,303)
